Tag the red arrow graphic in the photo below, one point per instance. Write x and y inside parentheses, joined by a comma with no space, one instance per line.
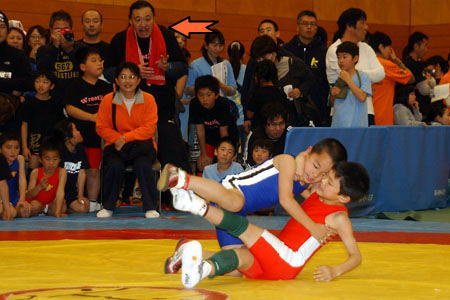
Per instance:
(187,27)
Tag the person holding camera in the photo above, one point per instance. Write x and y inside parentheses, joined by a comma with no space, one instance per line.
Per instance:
(59,56)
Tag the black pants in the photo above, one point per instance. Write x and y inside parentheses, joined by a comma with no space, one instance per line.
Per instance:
(113,174)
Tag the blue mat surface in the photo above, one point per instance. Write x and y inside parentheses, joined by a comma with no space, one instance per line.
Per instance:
(132,218)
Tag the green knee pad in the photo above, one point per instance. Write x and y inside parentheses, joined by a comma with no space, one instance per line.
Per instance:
(224,261)
(233,224)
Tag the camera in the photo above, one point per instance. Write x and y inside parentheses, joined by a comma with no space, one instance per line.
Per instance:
(67,34)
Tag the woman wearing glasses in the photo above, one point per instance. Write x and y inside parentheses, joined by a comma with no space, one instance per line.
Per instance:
(126,121)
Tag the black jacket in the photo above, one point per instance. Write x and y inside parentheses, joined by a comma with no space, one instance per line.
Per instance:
(313,55)
(15,70)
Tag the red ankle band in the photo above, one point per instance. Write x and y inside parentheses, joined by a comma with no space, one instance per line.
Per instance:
(186,182)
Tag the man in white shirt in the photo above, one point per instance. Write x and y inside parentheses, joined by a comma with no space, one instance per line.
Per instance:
(352,27)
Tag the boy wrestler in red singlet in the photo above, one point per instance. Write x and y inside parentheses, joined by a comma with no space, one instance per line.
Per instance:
(283,257)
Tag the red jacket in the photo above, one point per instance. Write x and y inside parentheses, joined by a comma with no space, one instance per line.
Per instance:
(140,125)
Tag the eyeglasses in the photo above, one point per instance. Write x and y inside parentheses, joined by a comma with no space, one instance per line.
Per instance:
(278,124)
(35,37)
(125,76)
(304,23)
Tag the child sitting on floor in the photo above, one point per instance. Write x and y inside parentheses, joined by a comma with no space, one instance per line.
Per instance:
(46,187)
(74,161)
(17,185)
(226,154)
(262,151)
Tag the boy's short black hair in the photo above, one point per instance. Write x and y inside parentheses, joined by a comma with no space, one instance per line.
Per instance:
(83,53)
(348,47)
(138,5)
(379,38)
(437,109)
(44,73)
(275,25)
(264,144)
(208,82)
(308,13)
(263,45)
(60,15)
(49,145)
(267,71)
(333,147)
(8,136)
(228,140)
(354,180)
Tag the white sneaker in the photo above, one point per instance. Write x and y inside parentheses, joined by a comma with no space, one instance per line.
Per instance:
(188,201)
(151,214)
(94,206)
(104,213)
(194,268)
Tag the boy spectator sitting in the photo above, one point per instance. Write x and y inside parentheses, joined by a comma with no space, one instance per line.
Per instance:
(73,160)
(351,90)
(226,154)
(395,72)
(47,183)
(39,114)
(59,56)
(212,116)
(82,101)
(17,185)
(262,151)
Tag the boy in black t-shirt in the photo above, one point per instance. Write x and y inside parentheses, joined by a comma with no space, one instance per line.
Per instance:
(212,117)
(82,101)
(73,160)
(40,113)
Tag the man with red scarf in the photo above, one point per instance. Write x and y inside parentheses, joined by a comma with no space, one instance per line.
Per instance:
(155,50)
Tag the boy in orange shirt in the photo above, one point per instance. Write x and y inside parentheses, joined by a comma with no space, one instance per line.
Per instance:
(395,71)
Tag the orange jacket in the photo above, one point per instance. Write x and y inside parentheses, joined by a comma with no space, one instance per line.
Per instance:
(140,125)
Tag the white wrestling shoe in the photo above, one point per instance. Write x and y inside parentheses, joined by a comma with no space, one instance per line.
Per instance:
(188,201)
(194,268)
(172,176)
(173,263)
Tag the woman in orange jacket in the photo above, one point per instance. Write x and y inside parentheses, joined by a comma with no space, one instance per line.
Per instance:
(126,121)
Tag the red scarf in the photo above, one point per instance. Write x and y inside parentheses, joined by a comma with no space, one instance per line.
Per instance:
(156,48)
